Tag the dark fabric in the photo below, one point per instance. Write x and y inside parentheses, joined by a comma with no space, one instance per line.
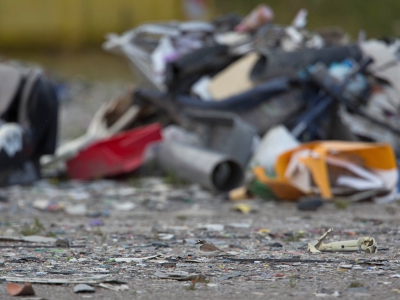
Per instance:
(35,108)
(42,117)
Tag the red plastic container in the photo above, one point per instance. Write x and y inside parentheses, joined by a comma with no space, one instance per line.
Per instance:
(121,153)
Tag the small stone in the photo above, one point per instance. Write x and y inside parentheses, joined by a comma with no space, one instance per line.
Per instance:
(346,266)
(76,210)
(83,288)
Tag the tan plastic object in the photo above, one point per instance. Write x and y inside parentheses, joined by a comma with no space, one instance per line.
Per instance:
(15,289)
(234,79)
(239,194)
(366,243)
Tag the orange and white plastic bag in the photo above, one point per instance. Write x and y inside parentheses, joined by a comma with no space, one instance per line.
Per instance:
(331,168)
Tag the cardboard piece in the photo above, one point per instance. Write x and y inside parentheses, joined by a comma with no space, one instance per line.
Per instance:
(234,79)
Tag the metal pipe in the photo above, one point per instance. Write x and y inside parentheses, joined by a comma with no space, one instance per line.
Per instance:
(210,169)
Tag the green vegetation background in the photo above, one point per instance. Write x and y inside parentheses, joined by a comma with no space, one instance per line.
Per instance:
(379,18)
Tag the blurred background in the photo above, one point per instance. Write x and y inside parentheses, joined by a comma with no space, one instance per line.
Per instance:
(65,36)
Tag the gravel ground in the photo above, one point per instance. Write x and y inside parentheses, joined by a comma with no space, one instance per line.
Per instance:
(163,216)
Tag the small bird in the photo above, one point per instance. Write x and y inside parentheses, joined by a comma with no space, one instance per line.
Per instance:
(208,249)
(169,265)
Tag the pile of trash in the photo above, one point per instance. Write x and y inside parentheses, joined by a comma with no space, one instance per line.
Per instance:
(253,108)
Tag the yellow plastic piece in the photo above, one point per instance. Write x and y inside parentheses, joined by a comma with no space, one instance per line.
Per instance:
(243,208)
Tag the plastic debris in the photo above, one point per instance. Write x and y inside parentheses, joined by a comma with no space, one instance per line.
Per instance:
(119,154)
(333,167)
(366,244)
(275,142)
(238,194)
(243,208)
